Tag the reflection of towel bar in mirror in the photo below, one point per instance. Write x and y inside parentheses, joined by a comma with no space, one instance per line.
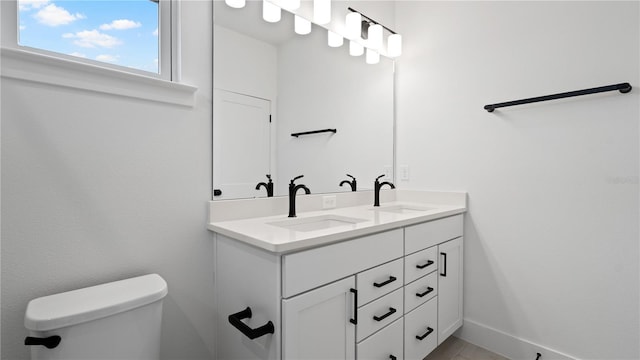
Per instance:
(314,132)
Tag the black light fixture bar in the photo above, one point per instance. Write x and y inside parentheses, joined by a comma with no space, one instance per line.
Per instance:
(314,132)
(622,87)
(370,19)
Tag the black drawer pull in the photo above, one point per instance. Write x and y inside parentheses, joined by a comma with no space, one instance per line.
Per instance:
(380,318)
(421,337)
(354,321)
(391,279)
(50,342)
(236,321)
(429,289)
(428,263)
(445,264)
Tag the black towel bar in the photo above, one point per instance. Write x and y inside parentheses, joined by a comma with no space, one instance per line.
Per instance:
(314,132)
(622,87)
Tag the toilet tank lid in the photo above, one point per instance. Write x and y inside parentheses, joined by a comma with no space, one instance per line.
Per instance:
(95,302)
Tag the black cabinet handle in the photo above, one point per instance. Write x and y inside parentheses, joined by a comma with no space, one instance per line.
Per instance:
(236,321)
(392,357)
(354,321)
(391,279)
(429,289)
(50,342)
(445,264)
(421,337)
(389,313)
(428,263)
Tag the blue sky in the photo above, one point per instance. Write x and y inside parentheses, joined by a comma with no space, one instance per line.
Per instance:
(121,32)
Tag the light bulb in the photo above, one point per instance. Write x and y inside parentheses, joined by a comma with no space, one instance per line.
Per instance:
(290,4)
(301,25)
(374,39)
(237,4)
(394,45)
(321,11)
(353,25)
(355,49)
(334,40)
(270,12)
(372,57)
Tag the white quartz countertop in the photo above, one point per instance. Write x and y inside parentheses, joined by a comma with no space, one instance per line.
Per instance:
(279,233)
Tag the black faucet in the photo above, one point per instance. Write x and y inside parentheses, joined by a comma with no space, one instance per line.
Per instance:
(376,189)
(352,183)
(268,186)
(293,189)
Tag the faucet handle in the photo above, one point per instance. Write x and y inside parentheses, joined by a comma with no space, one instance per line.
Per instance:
(269,176)
(296,178)
(352,178)
(380,177)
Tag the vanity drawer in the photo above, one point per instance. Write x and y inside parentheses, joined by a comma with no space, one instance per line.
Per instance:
(420,264)
(378,314)
(420,291)
(422,236)
(420,330)
(379,281)
(384,344)
(306,270)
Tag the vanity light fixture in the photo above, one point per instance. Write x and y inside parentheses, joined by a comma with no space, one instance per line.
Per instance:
(353,25)
(373,32)
(321,11)
(394,45)
(372,57)
(237,4)
(355,49)
(271,12)
(334,40)
(374,37)
(301,25)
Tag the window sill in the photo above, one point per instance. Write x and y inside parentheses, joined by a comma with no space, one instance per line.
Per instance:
(39,68)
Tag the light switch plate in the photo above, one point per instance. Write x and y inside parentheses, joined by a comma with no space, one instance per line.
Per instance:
(329,202)
(404,172)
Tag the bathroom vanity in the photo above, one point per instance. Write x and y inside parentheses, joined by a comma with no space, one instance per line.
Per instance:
(355,281)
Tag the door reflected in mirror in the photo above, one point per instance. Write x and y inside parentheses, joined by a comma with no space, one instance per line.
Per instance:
(270,83)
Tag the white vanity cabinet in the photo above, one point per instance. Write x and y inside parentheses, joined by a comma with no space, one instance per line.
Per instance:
(396,294)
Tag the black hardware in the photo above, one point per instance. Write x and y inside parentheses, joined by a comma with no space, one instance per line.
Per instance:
(538,355)
(389,313)
(370,19)
(376,189)
(354,321)
(445,264)
(236,321)
(429,289)
(391,279)
(314,132)
(50,342)
(217,192)
(622,87)
(352,183)
(428,263)
(421,337)
(293,189)
(392,357)
(268,186)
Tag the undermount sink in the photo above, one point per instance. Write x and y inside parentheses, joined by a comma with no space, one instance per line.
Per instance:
(314,223)
(403,209)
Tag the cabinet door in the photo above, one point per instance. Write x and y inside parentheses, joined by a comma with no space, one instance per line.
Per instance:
(449,288)
(316,324)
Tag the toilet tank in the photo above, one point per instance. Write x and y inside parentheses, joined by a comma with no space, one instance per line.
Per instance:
(117,320)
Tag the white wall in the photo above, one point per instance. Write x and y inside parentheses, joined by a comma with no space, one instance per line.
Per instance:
(97,188)
(551,237)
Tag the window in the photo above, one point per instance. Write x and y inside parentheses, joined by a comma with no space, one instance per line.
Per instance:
(130,35)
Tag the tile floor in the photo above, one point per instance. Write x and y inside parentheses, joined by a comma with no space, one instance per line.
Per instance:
(457,349)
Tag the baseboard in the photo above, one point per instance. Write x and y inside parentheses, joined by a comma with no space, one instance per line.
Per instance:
(509,346)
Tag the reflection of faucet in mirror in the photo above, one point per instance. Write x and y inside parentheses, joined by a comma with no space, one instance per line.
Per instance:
(268,186)
(376,189)
(352,183)
(293,189)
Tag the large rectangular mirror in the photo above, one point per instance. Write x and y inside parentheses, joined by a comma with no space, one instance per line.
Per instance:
(270,83)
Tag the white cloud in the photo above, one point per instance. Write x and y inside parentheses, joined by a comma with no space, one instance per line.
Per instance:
(22,27)
(53,15)
(26,5)
(121,24)
(93,38)
(155,33)
(78,54)
(107,58)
